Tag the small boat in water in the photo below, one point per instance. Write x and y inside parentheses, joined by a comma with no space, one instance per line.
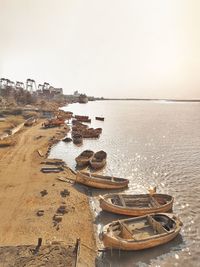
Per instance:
(82,118)
(136,205)
(141,232)
(84,158)
(99,160)
(67,139)
(77,138)
(99,118)
(101,181)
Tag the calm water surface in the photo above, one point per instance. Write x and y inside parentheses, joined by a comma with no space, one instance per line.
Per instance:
(151,143)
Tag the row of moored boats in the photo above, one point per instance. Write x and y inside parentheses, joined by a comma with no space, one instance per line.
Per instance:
(151,222)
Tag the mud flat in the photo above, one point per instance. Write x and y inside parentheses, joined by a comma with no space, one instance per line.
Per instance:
(34,204)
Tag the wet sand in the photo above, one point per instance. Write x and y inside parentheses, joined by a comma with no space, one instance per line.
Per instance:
(21,182)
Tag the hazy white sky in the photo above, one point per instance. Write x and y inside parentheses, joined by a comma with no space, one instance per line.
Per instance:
(120,48)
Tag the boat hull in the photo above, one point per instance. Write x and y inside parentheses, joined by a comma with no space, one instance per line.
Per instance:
(98,165)
(99,183)
(107,206)
(112,242)
(139,245)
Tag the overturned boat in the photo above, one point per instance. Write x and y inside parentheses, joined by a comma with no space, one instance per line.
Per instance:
(141,232)
(99,160)
(84,158)
(136,205)
(101,181)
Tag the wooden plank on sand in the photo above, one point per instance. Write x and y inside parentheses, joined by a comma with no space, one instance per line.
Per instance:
(40,153)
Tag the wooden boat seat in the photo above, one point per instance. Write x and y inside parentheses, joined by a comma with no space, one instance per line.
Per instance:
(154,202)
(125,231)
(158,228)
(122,201)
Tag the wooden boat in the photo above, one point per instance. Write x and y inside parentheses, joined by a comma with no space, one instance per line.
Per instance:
(90,134)
(100,181)
(77,138)
(136,205)
(99,160)
(84,158)
(67,139)
(82,118)
(99,118)
(99,130)
(141,232)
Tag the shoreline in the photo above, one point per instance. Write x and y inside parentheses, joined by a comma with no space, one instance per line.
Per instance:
(21,184)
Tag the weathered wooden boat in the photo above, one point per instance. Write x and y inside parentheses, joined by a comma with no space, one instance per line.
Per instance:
(53,123)
(82,118)
(54,170)
(90,134)
(94,130)
(136,205)
(67,139)
(77,138)
(84,158)
(141,232)
(101,181)
(99,130)
(79,123)
(99,160)
(99,118)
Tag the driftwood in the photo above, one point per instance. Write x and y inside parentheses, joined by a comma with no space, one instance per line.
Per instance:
(63,179)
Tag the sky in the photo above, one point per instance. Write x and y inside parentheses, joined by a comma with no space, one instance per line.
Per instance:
(110,48)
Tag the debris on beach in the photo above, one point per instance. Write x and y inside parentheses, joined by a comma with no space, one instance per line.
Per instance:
(64,193)
(62,209)
(40,213)
(57,162)
(43,192)
(67,139)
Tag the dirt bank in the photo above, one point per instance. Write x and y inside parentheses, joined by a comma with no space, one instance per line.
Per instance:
(21,183)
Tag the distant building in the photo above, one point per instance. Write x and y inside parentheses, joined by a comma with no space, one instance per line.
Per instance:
(46,90)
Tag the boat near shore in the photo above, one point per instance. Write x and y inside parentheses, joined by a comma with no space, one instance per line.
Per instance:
(77,138)
(100,181)
(99,118)
(84,158)
(99,160)
(141,232)
(136,205)
(81,118)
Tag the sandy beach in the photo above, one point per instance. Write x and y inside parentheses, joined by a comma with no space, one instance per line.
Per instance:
(21,183)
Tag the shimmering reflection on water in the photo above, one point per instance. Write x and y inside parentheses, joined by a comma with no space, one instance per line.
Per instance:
(151,143)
